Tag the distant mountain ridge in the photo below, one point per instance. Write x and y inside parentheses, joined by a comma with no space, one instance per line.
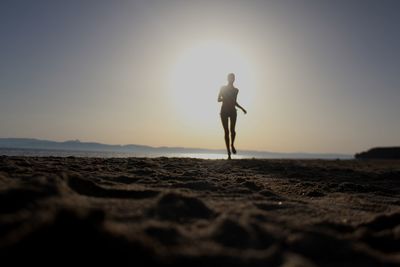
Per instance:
(380,153)
(76,145)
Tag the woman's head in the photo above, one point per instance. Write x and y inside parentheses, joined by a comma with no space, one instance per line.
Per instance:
(231,77)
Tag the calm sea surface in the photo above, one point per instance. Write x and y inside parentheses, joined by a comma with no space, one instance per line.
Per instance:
(104,154)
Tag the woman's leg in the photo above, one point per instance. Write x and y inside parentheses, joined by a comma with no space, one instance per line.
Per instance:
(224,120)
(233,132)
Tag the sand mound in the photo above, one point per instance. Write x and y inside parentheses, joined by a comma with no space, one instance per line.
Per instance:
(178,207)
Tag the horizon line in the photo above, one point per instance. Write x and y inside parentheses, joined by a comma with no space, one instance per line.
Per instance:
(180,147)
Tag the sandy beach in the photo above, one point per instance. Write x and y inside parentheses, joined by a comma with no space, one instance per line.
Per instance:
(194,212)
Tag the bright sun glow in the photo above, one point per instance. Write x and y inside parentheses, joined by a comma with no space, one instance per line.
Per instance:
(198,75)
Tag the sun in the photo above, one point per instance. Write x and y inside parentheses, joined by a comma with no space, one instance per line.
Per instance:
(199,73)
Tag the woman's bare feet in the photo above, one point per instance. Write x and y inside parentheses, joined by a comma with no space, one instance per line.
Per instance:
(233,149)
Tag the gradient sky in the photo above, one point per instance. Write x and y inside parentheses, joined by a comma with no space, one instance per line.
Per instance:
(322,76)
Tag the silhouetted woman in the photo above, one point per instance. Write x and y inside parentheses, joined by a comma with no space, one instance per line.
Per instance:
(228,95)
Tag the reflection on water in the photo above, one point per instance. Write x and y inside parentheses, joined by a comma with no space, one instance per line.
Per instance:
(106,154)
(204,156)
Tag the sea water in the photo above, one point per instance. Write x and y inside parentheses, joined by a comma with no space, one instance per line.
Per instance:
(106,154)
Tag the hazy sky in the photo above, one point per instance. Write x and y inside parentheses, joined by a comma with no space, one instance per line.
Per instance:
(315,76)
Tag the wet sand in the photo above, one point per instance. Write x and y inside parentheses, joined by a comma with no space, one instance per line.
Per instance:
(193,212)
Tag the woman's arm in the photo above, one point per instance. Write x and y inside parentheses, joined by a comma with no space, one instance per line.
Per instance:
(239,106)
(219,97)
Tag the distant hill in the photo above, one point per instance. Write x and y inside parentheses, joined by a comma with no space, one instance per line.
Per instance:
(76,145)
(380,153)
